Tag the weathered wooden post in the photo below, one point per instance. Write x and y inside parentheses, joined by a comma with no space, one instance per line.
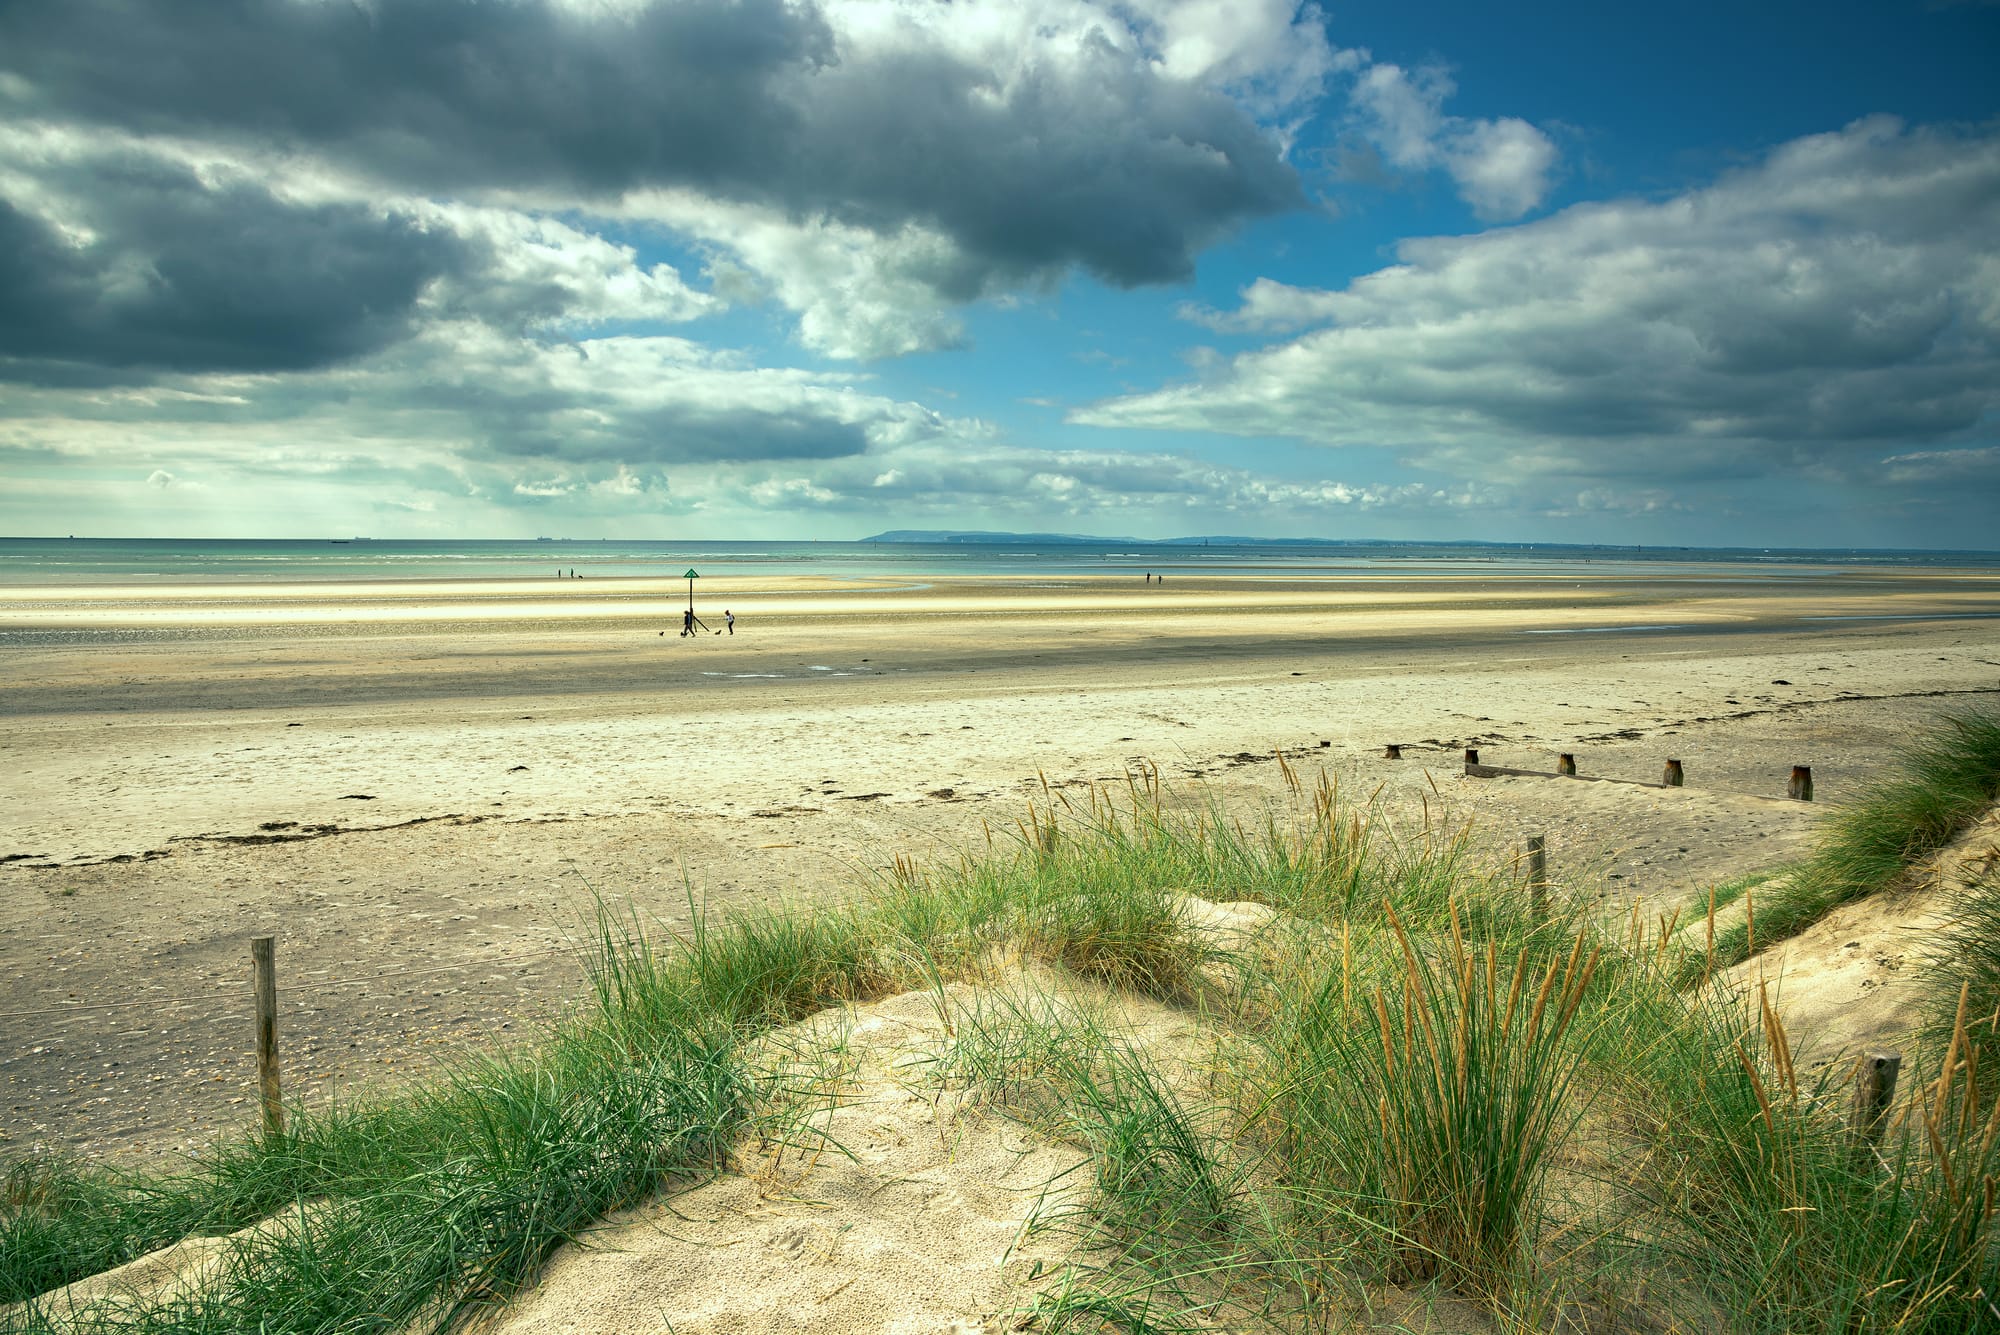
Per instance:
(264,970)
(1538,878)
(1392,752)
(1471,758)
(1673,776)
(1874,1091)
(1565,763)
(1800,788)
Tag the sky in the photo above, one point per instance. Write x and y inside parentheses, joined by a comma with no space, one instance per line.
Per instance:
(1700,274)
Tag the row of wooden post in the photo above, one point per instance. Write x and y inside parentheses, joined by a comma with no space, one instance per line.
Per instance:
(1800,786)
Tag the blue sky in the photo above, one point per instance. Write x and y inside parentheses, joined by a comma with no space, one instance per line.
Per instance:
(750,268)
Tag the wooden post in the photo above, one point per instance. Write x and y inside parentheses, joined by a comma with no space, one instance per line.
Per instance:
(1800,788)
(1565,763)
(1538,878)
(264,967)
(1874,1091)
(1392,752)
(1471,758)
(1673,776)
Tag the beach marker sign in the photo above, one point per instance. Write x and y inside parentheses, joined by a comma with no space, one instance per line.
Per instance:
(691,577)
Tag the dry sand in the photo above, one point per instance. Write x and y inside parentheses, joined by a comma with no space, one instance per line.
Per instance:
(1855,981)
(917,1212)
(418,787)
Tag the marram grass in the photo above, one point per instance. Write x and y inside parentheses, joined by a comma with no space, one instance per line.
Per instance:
(1965,952)
(1411,1080)
(1431,1101)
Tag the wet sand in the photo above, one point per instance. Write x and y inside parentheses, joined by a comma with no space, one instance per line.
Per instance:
(418,787)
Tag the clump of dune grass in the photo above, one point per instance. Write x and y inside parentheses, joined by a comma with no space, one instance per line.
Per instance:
(1965,955)
(454,1194)
(1751,1203)
(1097,883)
(64,1218)
(1944,781)
(1425,1098)
(407,1209)
(1176,1232)
(1156,1156)
(1383,1102)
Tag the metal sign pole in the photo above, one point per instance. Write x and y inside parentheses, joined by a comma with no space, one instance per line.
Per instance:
(693,620)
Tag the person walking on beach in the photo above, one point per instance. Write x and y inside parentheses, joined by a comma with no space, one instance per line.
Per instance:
(687,622)
(729,620)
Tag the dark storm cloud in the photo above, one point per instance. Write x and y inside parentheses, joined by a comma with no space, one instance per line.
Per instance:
(1097,160)
(166,273)
(446,92)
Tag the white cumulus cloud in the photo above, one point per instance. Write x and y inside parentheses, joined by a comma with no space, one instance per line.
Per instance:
(1502,167)
(1802,313)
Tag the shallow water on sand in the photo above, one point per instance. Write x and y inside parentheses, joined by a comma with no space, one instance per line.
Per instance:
(74,561)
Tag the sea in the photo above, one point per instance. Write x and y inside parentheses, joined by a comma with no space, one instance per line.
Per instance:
(141,561)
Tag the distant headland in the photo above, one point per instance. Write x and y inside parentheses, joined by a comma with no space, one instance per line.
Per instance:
(984,536)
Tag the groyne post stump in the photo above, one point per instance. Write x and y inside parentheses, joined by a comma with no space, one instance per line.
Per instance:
(1471,758)
(1874,1091)
(1392,752)
(264,971)
(1673,777)
(1566,763)
(1800,788)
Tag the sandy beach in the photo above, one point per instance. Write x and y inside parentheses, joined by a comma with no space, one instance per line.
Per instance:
(419,787)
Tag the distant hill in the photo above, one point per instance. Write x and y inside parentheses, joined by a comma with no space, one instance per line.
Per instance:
(979,536)
(984,536)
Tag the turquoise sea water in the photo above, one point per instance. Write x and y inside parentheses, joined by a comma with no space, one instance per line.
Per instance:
(139,561)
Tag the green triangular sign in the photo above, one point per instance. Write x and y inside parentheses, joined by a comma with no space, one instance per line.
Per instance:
(690,575)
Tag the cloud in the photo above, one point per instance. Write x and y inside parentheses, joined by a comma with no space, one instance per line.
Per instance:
(149,266)
(122,261)
(464,410)
(1502,167)
(870,166)
(1267,306)
(858,294)
(1026,139)
(1273,56)
(947,479)
(1978,465)
(537,273)
(1799,314)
